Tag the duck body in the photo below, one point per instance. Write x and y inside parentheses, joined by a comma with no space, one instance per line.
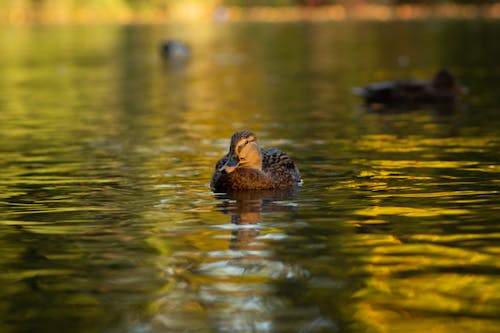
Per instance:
(443,88)
(248,167)
(175,50)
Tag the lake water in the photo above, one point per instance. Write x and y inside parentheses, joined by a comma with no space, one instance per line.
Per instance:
(108,223)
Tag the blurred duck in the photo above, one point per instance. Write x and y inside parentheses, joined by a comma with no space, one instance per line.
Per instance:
(175,50)
(443,88)
(248,167)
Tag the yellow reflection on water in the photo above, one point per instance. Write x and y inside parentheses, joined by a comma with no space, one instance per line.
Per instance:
(392,143)
(393,164)
(410,211)
(437,194)
(423,276)
(420,285)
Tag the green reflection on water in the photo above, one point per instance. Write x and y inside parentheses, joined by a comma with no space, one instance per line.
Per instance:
(108,223)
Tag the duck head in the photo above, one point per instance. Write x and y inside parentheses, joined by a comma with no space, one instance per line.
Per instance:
(444,81)
(244,152)
(175,50)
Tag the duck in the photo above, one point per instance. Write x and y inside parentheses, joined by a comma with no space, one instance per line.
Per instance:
(175,50)
(247,166)
(442,88)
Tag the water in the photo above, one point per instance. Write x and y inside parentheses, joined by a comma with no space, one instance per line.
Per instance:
(108,224)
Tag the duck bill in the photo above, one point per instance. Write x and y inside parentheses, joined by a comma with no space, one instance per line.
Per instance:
(231,164)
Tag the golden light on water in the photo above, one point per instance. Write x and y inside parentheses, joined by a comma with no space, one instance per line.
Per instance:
(20,12)
(410,211)
(411,282)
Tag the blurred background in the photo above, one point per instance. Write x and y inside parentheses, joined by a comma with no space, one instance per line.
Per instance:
(60,11)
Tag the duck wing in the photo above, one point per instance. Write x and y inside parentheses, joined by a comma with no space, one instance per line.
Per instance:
(393,91)
(370,90)
(280,167)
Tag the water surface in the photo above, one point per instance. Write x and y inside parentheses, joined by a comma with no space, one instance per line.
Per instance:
(108,223)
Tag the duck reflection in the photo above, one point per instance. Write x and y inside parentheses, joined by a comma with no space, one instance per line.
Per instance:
(246,208)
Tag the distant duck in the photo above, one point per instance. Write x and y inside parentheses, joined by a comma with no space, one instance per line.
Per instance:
(248,167)
(443,88)
(175,50)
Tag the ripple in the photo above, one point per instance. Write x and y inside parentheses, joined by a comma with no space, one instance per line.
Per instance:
(410,211)
(273,236)
(236,226)
(238,254)
(253,268)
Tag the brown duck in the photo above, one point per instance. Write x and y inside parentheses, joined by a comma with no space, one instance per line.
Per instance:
(249,167)
(443,88)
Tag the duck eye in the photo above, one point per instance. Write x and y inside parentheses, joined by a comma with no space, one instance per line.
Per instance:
(246,141)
